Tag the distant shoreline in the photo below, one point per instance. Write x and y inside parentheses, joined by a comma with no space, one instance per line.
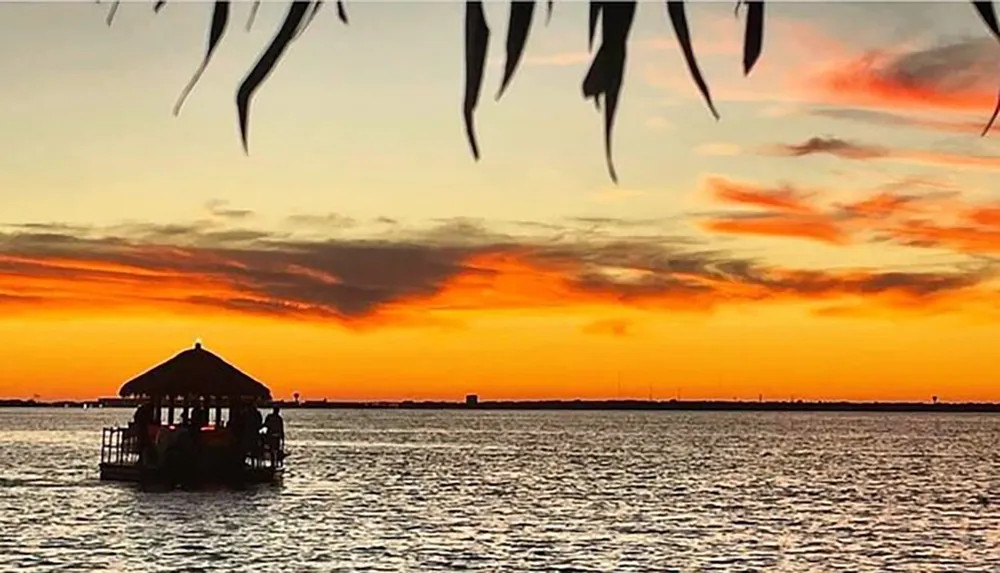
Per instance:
(588,405)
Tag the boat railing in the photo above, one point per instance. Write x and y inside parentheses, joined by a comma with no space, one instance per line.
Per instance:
(119,446)
(271,453)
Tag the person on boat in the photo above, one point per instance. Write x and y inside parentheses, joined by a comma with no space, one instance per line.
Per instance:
(275,429)
(143,416)
(141,421)
(253,422)
(199,416)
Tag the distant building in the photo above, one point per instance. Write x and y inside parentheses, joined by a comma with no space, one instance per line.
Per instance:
(471,400)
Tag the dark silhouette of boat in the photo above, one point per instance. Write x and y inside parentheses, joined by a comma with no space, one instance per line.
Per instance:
(217,439)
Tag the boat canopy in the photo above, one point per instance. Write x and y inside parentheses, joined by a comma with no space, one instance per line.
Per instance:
(195,372)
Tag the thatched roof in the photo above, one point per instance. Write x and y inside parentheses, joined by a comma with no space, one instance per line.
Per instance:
(197,372)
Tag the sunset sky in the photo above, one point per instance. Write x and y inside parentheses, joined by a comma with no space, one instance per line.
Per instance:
(833,236)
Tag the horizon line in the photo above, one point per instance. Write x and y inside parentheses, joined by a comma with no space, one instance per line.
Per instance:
(572,404)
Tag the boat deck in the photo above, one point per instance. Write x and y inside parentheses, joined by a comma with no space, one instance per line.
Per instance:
(210,461)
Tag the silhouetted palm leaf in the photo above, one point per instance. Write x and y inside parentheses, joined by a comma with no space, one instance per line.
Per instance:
(112,11)
(521,12)
(316,5)
(253,14)
(548,12)
(989,16)
(603,79)
(595,14)
(608,68)
(477,38)
(220,19)
(265,65)
(675,9)
(753,41)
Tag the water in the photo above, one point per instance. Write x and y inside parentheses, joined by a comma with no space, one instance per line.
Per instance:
(383,490)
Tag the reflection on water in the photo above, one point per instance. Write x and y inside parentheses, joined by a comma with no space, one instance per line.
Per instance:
(530,491)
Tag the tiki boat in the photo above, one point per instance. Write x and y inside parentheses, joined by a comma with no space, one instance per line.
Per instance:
(203,447)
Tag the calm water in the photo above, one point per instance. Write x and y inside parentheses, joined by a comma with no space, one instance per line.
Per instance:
(528,491)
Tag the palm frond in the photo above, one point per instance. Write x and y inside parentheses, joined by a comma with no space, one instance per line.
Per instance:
(989,16)
(753,39)
(112,11)
(603,80)
(220,19)
(521,12)
(316,5)
(477,39)
(266,63)
(595,14)
(678,19)
(254,8)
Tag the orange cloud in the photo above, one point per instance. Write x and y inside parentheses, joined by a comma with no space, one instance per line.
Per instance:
(930,220)
(429,277)
(776,225)
(957,76)
(965,239)
(783,199)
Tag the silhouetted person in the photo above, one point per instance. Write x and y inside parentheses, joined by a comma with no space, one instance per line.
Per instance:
(275,430)
(142,419)
(199,416)
(274,424)
(254,422)
(143,415)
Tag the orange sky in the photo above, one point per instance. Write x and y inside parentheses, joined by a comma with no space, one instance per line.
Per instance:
(832,237)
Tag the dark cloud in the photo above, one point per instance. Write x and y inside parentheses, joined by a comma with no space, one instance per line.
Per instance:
(952,67)
(956,76)
(219,208)
(858,151)
(327,221)
(832,146)
(355,280)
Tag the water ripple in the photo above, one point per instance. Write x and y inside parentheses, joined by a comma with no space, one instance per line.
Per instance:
(528,491)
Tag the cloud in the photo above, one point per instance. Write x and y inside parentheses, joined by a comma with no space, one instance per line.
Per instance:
(784,198)
(849,150)
(910,212)
(832,146)
(816,228)
(954,76)
(422,275)
(219,208)
(610,327)
(326,221)
(892,119)
(972,237)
